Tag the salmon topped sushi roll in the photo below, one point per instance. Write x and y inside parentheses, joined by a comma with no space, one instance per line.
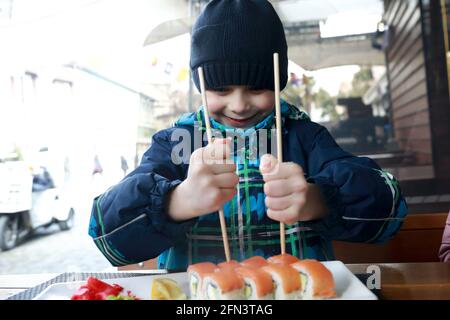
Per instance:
(196,273)
(317,280)
(229,265)
(283,259)
(224,284)
(286,282)
(254,262)
(258,284)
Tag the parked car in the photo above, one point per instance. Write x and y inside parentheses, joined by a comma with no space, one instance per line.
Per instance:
(29,200)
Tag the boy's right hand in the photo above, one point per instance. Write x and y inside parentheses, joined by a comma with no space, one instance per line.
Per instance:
(210,183)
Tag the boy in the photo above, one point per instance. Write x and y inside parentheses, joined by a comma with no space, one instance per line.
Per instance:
(166,208)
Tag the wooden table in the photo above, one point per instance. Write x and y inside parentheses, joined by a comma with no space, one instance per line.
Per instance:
(398,280)
(411,281)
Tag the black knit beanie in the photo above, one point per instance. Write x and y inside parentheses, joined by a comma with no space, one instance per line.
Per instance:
(234,41)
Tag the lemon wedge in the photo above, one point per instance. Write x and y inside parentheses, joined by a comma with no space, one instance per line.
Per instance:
(167,289)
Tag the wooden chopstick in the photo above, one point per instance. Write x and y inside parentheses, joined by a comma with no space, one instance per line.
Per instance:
(276,69)
(209,135)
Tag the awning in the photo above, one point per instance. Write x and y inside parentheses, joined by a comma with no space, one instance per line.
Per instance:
(306,47)
(333,52)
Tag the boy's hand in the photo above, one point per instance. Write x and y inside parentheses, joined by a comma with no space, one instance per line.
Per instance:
(210,183)
(289,198)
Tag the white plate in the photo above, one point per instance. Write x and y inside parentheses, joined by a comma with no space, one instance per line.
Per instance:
(348,287)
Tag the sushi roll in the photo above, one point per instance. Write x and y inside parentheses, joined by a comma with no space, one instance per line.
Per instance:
(196,273)
(258,284)
(229,265)
(223,284)
(283,259)
(254,262)
(317,280)
(286,282)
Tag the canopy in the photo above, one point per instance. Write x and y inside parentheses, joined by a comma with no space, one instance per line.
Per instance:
(303,20)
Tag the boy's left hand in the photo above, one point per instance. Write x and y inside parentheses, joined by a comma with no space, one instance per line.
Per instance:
(289,198)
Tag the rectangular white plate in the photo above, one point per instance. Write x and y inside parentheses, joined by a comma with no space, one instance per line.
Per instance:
(348,287)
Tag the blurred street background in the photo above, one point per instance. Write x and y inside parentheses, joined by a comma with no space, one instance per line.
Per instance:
(52,250)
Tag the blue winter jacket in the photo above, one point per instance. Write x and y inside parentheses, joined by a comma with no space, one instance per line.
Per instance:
(129,222)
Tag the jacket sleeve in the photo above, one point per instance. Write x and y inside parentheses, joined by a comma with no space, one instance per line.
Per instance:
(129,222)
(365,203)
(444,250)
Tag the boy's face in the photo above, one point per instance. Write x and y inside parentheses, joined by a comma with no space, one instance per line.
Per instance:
(240,106)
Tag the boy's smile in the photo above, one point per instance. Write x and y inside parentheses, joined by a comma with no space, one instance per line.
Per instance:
(240,106)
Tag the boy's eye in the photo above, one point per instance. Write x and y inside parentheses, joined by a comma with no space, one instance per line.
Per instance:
(256,90)
(221,90)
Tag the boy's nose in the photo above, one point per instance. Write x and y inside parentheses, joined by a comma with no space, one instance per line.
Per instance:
(239,105)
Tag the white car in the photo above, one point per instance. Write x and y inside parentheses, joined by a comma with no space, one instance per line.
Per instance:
(28,203)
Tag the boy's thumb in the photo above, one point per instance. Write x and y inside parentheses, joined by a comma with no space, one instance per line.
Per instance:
(268,162)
